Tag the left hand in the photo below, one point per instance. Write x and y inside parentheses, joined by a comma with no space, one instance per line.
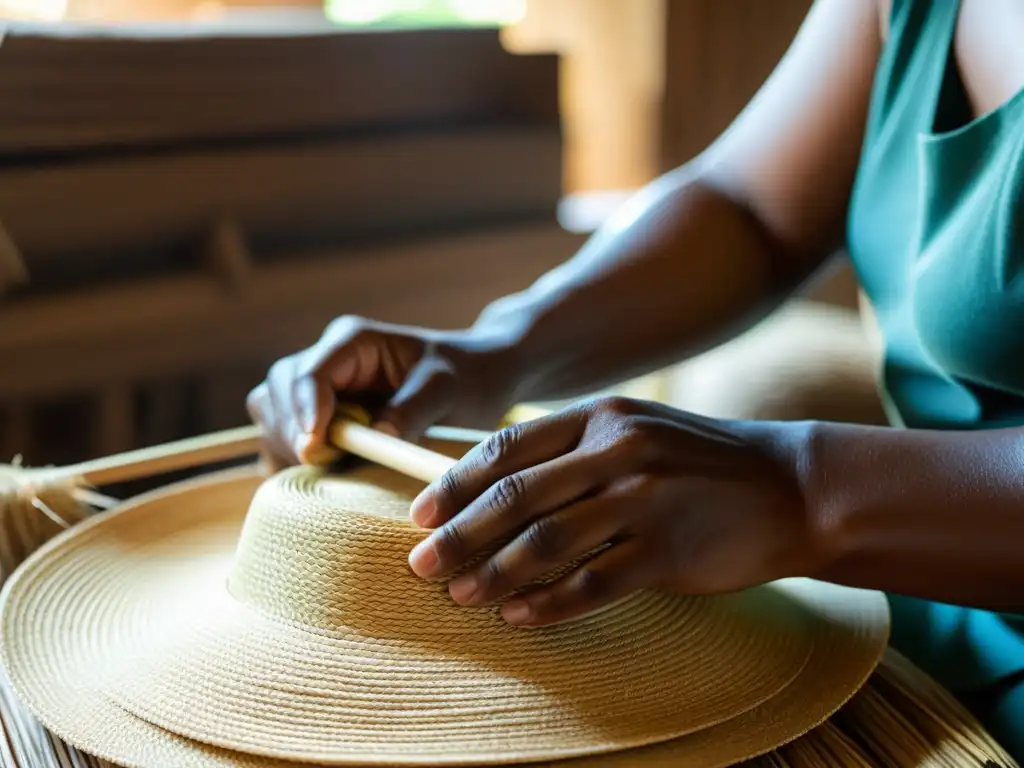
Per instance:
(682,503)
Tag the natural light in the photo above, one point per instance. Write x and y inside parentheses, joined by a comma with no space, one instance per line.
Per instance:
(425,12)
(49,10)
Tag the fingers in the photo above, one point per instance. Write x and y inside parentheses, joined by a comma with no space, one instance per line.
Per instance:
(420,401)
(504,509)
(506,452)
(297,400)
(294,409)
(261,409)
(550,542)
(612,575)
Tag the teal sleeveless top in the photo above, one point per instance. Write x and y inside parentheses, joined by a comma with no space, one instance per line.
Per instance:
(936,236)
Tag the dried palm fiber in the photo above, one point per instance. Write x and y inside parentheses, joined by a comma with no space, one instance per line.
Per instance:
(898,706)
(38,503)
(32,511)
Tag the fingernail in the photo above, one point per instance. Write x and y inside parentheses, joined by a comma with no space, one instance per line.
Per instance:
(423,509)
(463,588)
(423,559)
(516,612)
(318,455)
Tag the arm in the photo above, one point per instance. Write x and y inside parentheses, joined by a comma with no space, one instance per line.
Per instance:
(935,515)
(711,247)
(697,256)
(651,497)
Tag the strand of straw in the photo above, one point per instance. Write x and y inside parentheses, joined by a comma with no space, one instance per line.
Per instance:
(28,518)
(901,718)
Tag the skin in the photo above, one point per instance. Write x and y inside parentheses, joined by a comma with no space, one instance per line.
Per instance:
(673,501)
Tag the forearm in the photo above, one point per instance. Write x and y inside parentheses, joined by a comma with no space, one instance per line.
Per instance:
(681,268)
(935,515)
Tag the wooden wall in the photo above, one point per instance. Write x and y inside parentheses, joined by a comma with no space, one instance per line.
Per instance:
(717,54)
(179,210)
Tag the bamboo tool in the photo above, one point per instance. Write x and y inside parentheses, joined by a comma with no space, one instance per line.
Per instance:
(344,434)
(37,503)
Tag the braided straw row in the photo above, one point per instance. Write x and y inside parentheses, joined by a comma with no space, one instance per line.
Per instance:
(900,718)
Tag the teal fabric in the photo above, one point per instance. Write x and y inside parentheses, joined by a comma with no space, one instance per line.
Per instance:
(936,235)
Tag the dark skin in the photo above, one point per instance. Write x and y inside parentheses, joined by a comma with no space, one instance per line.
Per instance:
(690,505)
(678,502)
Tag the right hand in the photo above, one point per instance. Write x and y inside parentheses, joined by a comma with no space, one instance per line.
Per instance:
(408,378)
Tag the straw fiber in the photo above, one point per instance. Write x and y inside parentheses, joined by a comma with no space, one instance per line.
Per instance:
(147,632)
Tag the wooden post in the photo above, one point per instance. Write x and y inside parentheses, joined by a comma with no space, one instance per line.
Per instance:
(717,54)
(611,84)
(13,271)
(228,255)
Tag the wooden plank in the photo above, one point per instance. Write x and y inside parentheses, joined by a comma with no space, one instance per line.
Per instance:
(75,86)
(717,53)
(334,189)
(186,325)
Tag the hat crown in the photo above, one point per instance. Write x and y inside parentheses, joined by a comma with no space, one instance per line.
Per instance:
(332,555)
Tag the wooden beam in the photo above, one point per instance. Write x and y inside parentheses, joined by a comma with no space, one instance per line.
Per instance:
(183,325)
(333,191)
(177,83)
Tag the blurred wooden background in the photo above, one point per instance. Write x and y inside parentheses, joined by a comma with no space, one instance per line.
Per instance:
(180,205)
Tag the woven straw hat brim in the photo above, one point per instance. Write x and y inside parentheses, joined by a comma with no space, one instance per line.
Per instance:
(329,649)
(60,621)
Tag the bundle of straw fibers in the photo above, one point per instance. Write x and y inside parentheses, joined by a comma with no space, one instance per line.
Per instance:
(31,513)
(900,718)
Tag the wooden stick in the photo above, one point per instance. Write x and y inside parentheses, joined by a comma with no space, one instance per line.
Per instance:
(191,452)
(231,444)
(391,452)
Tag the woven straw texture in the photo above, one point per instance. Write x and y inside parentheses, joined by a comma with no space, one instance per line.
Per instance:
(157,635)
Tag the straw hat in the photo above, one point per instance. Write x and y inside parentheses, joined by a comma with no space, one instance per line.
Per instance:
(181,631)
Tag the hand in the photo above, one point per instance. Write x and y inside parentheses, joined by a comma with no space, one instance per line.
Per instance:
(408,378)
(678,502)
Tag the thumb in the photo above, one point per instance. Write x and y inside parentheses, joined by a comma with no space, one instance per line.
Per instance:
(315,401)
(422,399)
